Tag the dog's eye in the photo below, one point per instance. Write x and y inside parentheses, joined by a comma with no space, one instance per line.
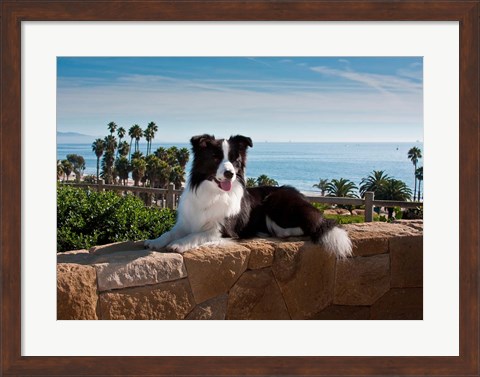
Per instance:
(236,163)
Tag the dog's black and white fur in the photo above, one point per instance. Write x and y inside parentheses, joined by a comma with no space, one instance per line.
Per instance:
(216,204)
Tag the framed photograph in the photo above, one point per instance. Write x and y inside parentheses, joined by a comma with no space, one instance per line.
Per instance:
(420,64)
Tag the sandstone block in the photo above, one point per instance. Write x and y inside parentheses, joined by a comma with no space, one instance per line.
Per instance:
(369,245)
(399,303)
(305,274)
(406,255)
(170,300)
(76,292)
(362,280)
(137,268)
(344,312)
(261,253)
(213,309)
(256,295)
(381,229)
(212,270)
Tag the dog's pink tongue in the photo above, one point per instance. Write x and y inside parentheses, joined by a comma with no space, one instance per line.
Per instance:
(226,185)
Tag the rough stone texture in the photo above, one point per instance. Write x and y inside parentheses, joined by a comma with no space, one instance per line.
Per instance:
(305,274)
(406,254)
(212,270)
(76,292)
(261,253)
(381,229)
(367,246)
(134,269)
(285,279)
(346,312)
(213,309)
(171,300)
(337,211)
(118,246)
(256,296)
(362,280)
(399,303)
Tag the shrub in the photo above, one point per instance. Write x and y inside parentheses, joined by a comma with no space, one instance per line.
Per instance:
(86,218)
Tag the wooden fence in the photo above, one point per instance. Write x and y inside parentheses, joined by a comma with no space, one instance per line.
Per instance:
(169,197)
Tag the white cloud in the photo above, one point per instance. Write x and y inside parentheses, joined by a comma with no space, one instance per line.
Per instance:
(386,84)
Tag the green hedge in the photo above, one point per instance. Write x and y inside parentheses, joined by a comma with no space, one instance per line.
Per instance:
(86,218)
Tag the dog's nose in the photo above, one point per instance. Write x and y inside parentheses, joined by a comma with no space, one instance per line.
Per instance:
(228,174)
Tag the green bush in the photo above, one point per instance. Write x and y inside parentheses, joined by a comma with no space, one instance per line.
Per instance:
(86,218)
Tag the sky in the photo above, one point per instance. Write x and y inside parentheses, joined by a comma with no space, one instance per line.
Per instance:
(274,99)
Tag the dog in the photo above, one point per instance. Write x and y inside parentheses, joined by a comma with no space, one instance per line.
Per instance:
(216,204)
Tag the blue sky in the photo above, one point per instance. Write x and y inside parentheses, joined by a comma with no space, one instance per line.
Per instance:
(303,99)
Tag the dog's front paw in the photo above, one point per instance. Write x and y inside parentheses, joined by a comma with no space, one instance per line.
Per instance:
(178,247)
(155,244)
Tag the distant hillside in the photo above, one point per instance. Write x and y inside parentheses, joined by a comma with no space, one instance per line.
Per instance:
(74,138)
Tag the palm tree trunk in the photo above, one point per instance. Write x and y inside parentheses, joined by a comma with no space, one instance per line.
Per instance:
(419,189)
(415,175)
(98,168)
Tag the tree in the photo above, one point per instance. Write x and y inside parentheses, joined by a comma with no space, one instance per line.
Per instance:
(78,165)
(394,189)
(264,180)
(419,176)
(60,171)
(373,182)
(251,182)
(107,166)
(322,186)
(414,154)
(112,126)
(98,147)
(110,143)
(121,134)
(122,166)
(183,155)
(135,132)
(123,149)
(342,188)
(149,135)
(67,168)
(139,167)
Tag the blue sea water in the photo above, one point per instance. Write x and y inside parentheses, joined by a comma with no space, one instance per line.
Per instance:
(303,164)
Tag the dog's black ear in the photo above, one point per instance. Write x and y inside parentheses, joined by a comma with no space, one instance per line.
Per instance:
(242,141)
(201,141)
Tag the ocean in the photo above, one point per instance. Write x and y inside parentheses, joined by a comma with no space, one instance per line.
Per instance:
(302,164)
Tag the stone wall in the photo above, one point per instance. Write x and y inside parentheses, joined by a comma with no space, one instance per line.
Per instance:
(254,279)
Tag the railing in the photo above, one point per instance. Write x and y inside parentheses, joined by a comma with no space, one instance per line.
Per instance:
(170,197)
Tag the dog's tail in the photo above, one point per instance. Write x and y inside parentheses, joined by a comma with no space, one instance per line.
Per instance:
(333,238)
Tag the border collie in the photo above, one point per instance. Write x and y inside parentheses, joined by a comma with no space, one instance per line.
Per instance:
(216,204)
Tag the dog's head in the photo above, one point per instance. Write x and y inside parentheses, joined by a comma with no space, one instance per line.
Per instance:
(219,161)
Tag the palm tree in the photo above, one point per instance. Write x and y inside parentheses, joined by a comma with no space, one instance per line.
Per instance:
(322,186)
(177,176)
(110,143)
(152,128)
(122,166)
(139,167)
(373,182)
(419,176)
(107,166)
(112,126)
(135,132)
(123,149)
(121,134)
(414,154)
(264,180)
(251,182)
(342,188)
(183,155)
(394,189)
(98,147)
